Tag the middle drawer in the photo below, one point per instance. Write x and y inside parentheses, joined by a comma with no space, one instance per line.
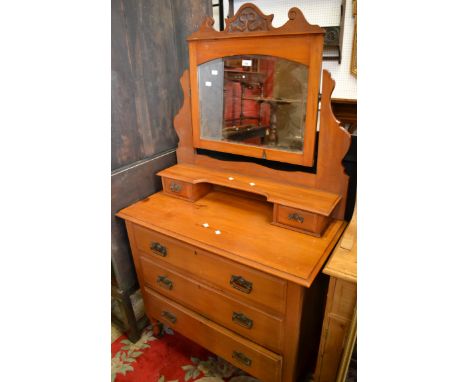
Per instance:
(248,321)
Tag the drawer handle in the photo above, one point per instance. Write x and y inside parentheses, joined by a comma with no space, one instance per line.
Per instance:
(169,316)
(164,282)
(296,217)
(175,187)
(158,249)
(242,320)
(242,358)
(239,283)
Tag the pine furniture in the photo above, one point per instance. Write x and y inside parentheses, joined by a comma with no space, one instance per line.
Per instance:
(339,323)
(229,254)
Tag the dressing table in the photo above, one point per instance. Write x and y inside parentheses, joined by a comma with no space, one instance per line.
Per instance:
(230,252)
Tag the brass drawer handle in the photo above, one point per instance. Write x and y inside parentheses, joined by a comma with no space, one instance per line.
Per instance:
(158,249)
(164,282)
(169,316)
(239,283)
(296,217)
(242,320)
(175,187)
(242,358)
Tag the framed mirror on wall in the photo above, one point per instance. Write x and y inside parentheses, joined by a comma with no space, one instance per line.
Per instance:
(354,52)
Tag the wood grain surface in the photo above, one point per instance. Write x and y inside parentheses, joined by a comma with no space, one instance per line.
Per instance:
(341,303)
(309,223)
(307,199)
(267,292)
(265,364)
(343,261)
(149,54)
(215,305)
(246,233)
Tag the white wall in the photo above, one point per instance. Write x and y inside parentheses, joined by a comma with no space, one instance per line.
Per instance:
(324,13)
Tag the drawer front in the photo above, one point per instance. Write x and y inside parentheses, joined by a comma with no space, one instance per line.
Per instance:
(242,353)
(185,190)
(243,319)
(302,220)
(246,283)
(177,188)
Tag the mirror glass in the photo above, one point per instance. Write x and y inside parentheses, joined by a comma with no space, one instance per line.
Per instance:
(253,100)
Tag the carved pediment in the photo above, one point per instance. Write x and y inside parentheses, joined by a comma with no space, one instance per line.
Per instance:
(249,19)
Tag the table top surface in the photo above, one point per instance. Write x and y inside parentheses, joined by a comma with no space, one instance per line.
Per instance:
(246,234)
(343,261)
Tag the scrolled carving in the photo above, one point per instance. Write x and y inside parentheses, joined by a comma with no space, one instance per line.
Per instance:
(249,19)
(292,14)
(207,25)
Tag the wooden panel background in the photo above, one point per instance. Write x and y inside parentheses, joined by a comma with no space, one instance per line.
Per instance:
(149,55)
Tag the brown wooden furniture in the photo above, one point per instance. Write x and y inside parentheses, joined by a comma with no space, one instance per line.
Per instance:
(230,253)
(341,306)
(124,312)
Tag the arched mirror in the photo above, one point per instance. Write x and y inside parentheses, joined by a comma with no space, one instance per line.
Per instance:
(255,88)
(255,100)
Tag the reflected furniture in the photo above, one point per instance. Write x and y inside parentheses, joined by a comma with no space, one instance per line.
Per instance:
(339,324)
(230,253)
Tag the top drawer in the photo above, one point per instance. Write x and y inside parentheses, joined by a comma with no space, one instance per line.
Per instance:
(242,281)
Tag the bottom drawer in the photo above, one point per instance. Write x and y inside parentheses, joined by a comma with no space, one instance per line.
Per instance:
(246,355)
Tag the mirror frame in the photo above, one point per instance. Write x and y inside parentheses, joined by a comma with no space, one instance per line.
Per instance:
(250,32)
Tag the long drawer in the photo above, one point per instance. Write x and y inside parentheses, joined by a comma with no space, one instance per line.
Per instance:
(242,353)
(246,320)
(242,281)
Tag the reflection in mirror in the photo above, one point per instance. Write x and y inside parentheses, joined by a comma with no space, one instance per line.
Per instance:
(253,100)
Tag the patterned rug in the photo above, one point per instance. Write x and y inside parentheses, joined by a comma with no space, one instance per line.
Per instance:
(171,358)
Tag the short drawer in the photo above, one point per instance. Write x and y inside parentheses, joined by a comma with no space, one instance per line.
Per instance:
(185,190)
(246,355)
(177,188)
(233,314)
(236,279)
(300,220)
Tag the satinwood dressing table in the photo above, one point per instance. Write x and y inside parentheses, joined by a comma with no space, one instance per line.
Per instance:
(229,254)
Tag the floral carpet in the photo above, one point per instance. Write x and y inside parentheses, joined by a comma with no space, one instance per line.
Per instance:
(170,358)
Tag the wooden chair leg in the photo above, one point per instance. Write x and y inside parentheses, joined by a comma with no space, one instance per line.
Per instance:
(130,324)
